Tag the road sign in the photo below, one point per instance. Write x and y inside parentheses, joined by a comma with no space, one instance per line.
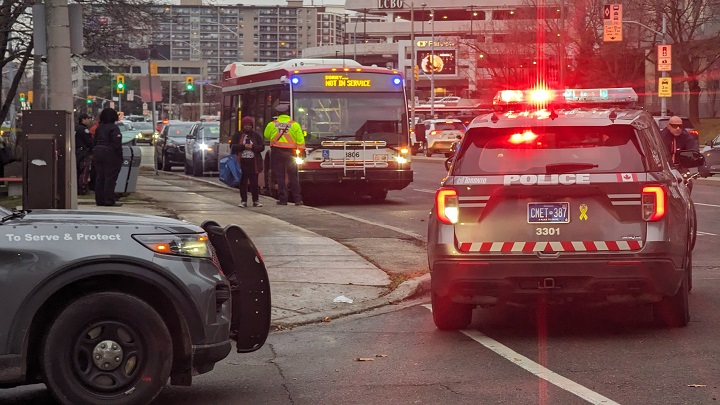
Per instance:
(665,87)
(612,23)
(144,106)
(131,95)
(202,82)
(664,58)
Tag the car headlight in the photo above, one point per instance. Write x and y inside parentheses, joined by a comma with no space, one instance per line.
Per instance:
(205,147)
(139,135)
(299,160)
(401,160)
(195,245)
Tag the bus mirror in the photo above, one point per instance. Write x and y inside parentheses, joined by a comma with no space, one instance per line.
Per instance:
(420,132)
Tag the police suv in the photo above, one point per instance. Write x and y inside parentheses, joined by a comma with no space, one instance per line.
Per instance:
(105,307)
(562,203)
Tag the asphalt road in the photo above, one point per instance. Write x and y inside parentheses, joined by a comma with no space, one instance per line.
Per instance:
(507,356)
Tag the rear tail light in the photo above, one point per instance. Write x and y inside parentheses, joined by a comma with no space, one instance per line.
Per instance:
(653,203)
(446,204)
(694,132)
(434,132)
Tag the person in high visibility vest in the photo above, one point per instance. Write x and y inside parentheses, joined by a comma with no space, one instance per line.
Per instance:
(287,141)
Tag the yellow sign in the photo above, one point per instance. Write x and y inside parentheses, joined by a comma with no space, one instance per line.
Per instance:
(665,87)
(342,81)
(153,69)
(612,33)
(612,23)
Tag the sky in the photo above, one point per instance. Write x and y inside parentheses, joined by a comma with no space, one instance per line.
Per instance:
(263,2)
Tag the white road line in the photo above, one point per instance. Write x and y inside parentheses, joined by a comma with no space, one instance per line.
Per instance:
(708,205)
(536,369)
(705,233)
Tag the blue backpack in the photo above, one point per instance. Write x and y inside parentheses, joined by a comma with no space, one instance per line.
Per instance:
(230,171)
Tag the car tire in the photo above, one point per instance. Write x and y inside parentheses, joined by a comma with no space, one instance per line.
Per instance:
(188,169)
(166,166)
(674,311)
(449,315)
(693,228)
(197,168)
(143,347)
(415,149)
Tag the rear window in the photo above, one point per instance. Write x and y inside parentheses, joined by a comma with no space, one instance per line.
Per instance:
(547,150)
(449,126)
(178,130)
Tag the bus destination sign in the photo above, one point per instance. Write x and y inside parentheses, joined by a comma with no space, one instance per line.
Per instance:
(342,81)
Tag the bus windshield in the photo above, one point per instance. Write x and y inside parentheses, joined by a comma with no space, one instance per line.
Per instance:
(352,116)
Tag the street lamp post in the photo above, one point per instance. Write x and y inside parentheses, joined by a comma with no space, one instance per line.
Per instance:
(663,34)
(414,63)
(432,65)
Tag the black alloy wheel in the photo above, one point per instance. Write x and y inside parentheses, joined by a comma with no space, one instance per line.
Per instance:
(109,348)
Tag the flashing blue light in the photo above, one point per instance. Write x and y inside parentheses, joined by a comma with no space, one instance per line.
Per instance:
(397,80)
(295,80)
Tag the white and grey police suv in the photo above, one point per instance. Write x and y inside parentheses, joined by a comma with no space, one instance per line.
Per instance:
(564,203)
(106,307)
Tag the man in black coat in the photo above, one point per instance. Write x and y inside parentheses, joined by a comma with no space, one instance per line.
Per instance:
(676,137)
(108,158)
(247,146)
(83,151)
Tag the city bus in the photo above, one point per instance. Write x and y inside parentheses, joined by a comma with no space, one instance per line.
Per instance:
(354,117)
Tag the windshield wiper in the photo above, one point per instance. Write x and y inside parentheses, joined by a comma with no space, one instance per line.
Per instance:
(568,167)
(14,215)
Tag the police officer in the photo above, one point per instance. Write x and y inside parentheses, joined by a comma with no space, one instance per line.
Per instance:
(83,150)
(676,137)
(108,157)
(285,136)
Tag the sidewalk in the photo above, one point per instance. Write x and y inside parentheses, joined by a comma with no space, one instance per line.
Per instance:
(307,271)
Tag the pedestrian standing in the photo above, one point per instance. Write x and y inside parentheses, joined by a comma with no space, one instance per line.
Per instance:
(83,152)
(247,146)
(108,158)
(286,142)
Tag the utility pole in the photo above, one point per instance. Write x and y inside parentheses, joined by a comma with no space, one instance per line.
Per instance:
(432,66)
(202,75)
(663,100)
(414,63)
(561,58)
(60,81)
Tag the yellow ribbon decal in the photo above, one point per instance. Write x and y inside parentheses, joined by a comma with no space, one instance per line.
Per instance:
(583,212)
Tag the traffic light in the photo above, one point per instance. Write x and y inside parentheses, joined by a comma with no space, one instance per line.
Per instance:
(189,83)
(22,97)
(120,84)
(30,96)
(416,72)
(89,99)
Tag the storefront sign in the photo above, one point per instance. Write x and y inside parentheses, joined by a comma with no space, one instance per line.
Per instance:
(391,4)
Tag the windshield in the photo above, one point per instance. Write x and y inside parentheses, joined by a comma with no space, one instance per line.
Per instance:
(352,116)
(209,131)
(544,150)
(178,131)
(142,125)
(449,126)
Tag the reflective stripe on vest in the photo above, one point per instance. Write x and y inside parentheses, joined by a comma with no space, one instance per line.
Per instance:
(283,139)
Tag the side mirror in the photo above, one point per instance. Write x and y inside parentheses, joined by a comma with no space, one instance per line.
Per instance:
(420,133)
(689,158)
(709,143)
(449,162)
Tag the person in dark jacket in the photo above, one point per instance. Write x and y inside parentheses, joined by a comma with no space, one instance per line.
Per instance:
(677,138)
(83,152)
(108,157)
(247,146)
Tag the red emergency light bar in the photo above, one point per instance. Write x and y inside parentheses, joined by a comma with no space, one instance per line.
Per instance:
(541,98)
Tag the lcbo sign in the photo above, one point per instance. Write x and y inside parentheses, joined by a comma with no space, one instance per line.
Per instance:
(391,4)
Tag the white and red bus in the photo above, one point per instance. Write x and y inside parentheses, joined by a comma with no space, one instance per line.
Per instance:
(355,120)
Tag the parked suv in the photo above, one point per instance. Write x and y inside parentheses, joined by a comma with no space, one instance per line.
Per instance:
(201,148)
(438,135)
(566,204)
(108,307)
(170,145)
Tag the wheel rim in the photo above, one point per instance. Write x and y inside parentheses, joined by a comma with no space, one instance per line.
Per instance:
(107,356)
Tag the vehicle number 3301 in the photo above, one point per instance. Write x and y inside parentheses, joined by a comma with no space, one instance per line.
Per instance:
(547,231)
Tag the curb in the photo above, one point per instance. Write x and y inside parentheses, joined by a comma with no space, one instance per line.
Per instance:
(406,290)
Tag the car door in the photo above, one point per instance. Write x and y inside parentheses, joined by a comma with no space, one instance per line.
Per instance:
(190,141)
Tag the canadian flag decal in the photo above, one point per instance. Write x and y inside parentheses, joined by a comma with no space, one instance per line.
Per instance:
(627,177)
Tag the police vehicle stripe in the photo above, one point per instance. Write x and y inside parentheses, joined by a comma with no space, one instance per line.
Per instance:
(553,246)
(625,202)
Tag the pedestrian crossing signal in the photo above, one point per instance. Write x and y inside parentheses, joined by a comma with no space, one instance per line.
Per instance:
(189,83)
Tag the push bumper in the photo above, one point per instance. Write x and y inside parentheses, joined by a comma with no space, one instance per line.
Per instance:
(205,356)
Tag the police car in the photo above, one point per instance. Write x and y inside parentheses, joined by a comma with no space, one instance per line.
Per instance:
(571,201)
(105,307)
